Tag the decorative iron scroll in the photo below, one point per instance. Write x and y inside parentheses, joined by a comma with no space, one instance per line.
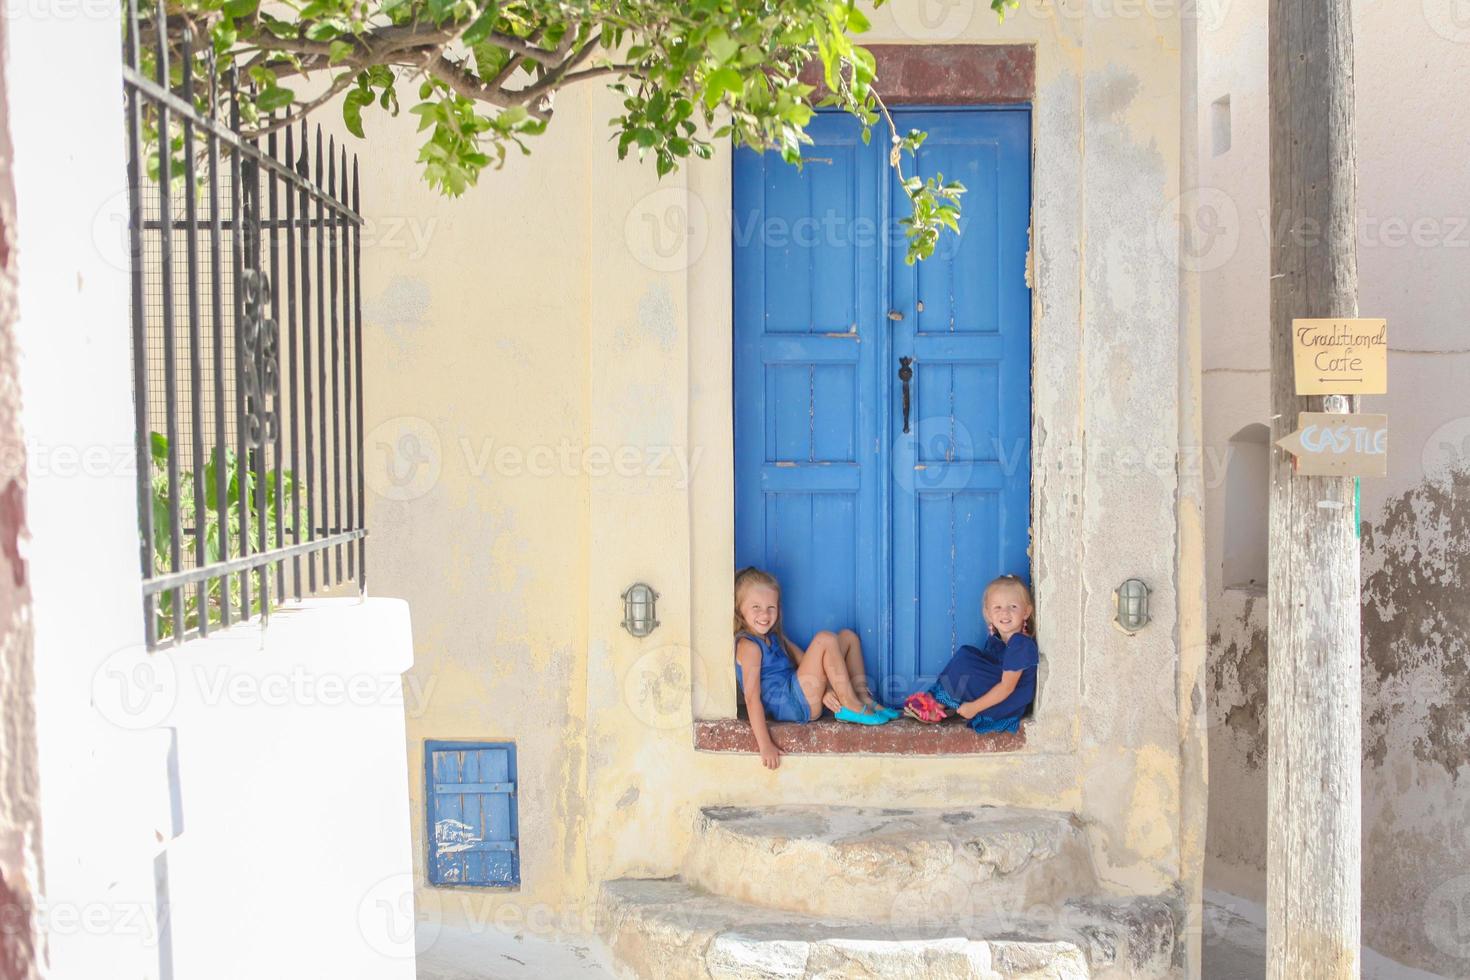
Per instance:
(260,363)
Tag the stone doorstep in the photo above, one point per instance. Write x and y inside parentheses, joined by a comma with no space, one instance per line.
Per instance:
(899,865)
(827,736)
(664,929)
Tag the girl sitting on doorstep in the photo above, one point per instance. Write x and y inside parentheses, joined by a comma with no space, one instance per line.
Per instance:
(780,682)
(993,686)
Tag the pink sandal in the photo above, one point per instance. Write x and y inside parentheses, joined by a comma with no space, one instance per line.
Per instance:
(923,707)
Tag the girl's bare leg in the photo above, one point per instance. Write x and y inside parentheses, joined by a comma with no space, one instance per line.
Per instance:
(811,674)
(825,649)
(857,671)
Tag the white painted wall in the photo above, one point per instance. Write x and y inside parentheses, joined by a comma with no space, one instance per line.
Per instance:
(290,848)
(279,831)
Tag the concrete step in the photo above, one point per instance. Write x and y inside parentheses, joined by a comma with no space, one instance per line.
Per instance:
(891,865)
(664,929)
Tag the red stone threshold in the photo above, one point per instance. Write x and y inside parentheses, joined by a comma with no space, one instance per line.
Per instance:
(902,736)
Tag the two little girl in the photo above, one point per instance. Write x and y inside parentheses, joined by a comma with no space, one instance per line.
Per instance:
(991,687)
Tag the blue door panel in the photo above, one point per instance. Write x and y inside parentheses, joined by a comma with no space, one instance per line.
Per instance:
(806,441)
(866,525)
(961,512)
(473,838)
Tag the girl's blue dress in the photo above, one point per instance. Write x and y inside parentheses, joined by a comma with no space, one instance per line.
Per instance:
(973,671)
(781,694)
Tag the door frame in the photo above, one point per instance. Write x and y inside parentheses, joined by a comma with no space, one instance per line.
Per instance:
(935,75)
(881,644)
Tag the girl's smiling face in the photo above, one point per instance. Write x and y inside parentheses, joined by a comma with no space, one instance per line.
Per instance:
(1006,610)
(759,608)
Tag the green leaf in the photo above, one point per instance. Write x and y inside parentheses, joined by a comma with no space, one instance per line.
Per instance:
(323,31)
(482,27)
(718,83)
(721,46)
(352,107)
(239,8)
(274,98)
(339,51)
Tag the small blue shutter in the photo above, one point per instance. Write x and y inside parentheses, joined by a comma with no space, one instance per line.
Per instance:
(472,830)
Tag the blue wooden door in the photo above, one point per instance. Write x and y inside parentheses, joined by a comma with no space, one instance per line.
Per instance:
(890,531)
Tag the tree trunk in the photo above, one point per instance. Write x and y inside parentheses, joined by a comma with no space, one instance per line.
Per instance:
(1313,853)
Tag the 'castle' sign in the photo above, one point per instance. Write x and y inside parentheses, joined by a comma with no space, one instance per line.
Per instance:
(1339,444)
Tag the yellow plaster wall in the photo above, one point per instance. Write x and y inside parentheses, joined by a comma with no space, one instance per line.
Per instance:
(574,301)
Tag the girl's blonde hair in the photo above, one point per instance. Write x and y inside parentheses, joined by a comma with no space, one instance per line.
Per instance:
(1013,581)
(746,579)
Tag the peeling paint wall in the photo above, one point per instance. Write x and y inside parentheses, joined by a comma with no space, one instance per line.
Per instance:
(577,309)
(1413,242)
(21,944)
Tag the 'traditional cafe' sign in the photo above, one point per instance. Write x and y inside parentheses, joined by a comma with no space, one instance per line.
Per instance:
(1340,356)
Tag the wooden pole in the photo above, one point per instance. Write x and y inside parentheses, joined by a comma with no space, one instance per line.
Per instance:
(1314,688)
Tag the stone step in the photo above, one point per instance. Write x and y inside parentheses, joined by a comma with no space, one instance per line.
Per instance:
(891,865)
(665,929)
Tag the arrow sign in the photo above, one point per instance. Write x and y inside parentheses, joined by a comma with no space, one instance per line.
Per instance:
(1339,444)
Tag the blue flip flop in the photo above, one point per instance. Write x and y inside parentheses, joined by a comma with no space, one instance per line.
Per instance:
(883,709)
(861,717)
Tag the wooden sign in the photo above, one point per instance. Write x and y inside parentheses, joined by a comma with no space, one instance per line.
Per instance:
(1339,444)
(1340,356)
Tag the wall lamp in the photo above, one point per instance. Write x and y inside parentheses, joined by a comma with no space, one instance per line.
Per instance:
(1132,601)
(640,609)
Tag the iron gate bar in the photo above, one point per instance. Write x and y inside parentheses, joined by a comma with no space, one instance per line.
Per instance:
(347,292)
(242,461)
(221,471)
(356,232)
(196,357)
(141,434)
(291,380)
(275,240)
(336,365)
(170,367)
(306,367)
(188,576)
(321,351)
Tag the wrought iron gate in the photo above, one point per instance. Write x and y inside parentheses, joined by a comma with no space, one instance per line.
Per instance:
(247,349)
